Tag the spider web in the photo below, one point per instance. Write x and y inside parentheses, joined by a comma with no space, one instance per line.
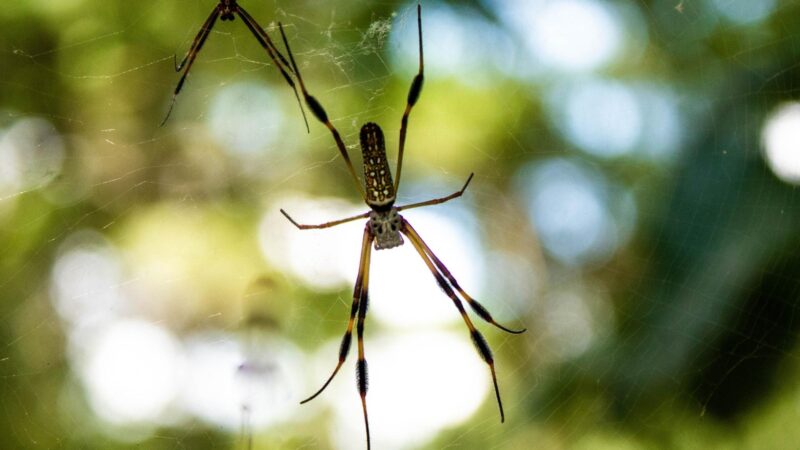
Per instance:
(623,210)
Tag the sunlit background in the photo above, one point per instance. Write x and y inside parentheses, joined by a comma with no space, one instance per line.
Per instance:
(634,207)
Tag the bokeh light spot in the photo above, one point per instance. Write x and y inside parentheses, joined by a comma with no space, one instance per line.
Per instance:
(781,141)
(569,324)
(662,130)
(246,118)
(420,384)
(131,372)
(566,35)
(222,379)
(86,278)
(744,11)
(458,43)
(322,259)
(575,211)
(608,118)
(31,155)
(603,117)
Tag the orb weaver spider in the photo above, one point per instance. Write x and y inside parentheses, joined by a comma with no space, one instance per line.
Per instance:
(385,229)
(226,10)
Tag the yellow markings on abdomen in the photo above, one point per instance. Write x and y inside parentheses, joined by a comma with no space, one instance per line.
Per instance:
(377,177)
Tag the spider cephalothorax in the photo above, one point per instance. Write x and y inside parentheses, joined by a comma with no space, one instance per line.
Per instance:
(227,8)
(386,228)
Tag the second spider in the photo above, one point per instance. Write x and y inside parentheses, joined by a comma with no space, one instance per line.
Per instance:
(385,229)
(226,10)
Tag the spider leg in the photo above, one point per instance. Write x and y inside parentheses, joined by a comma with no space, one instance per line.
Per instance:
(477,307)
(201,35)
(439,200)
(267,40)
(362,379)
(319,112)
(477,338)
(277,58)
(413,96)
(359,296)
(326,224)
(188,60)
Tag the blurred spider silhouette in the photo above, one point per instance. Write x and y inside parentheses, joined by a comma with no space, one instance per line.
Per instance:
(385,229)
(226,10)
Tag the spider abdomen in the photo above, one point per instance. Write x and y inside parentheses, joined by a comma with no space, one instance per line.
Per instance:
(386,227)
(377,177)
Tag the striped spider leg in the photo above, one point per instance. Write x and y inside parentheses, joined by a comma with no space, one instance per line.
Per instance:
(226,10)
(385,229)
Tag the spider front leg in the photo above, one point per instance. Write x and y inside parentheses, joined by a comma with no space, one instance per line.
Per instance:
(477,338)
(277,58)
(326,224)
(439,200)
(413,95)
(188,60)
(199,39)
(264,40)
(321,115)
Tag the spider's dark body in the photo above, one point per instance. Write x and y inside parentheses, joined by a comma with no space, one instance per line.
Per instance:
(384,221)
(386,228)
(226,9)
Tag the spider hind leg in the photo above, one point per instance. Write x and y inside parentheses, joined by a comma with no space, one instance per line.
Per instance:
(443,273)
(477,338)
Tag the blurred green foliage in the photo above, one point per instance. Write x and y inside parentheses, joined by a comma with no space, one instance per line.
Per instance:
(702,344)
